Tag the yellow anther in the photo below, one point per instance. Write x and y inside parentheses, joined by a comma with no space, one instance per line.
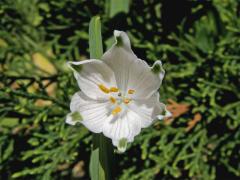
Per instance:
(103,88)
(112,99)
(117,110)
(113,89)
(131,91)
(126,100)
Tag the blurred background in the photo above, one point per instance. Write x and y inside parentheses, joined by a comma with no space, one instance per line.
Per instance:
(199,45)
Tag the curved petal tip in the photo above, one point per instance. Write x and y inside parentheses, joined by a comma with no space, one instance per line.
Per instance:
(122,39)
(166,114)
(121,145)
(158,70)
(73,118)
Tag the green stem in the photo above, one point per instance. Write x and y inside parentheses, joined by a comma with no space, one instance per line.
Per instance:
(102,152)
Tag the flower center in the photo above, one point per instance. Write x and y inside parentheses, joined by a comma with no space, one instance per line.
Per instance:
(118,100)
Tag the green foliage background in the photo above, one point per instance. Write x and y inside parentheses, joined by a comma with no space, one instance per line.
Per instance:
(201,58)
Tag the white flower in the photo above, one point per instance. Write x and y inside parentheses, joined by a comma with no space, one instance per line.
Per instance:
(119,93)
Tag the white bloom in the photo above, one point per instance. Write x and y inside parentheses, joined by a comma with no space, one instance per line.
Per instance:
(119,93)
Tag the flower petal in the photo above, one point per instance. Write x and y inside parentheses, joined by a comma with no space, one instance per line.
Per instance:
(120,144)
(149,110)
(161,112)
(144,110)
(125,126)
(139,114)
(92,73)
(73,118)
(131,72)
(94,113)
(119,57)
(144,80)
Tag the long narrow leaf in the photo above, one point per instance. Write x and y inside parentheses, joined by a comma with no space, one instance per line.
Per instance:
(102,151)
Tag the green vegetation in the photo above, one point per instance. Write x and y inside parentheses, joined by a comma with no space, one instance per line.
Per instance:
(200,51)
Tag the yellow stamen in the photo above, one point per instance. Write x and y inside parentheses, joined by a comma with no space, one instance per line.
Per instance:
(117,110)
(113,89)
(131,91)
(103,88)
(126,100)
(113,100)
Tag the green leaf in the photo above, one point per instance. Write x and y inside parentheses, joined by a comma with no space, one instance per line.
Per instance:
(95,38)
(102,151)
(8,151)
(118,6)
